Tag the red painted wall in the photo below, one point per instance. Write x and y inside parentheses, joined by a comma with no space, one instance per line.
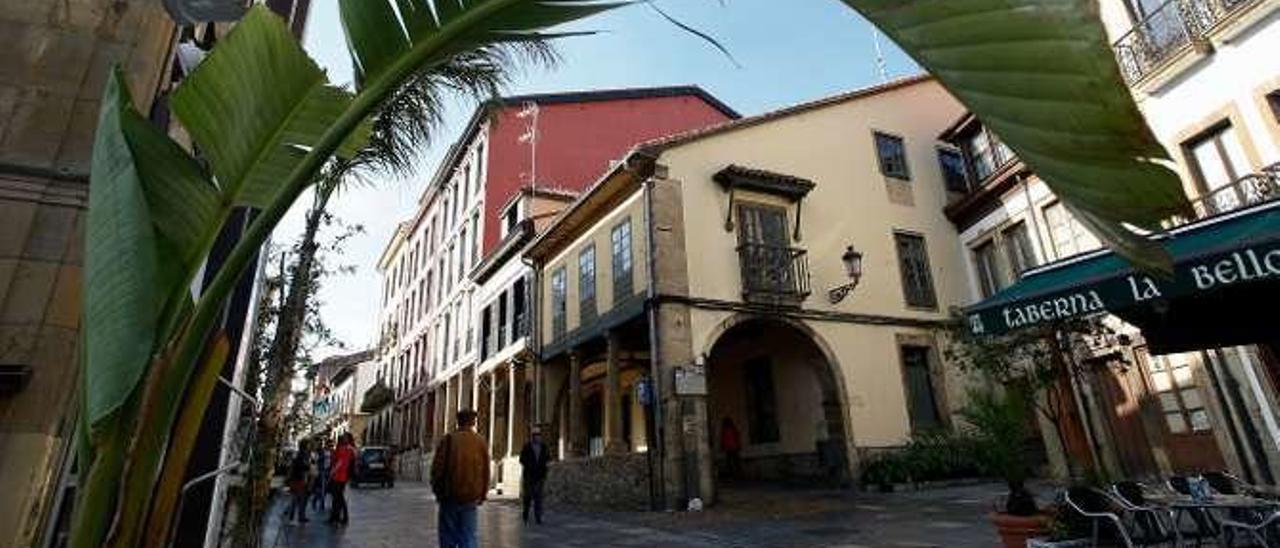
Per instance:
(576,143)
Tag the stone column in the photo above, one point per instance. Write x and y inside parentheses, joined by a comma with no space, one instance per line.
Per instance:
(517,418)
(493,408)
(613,442)
(574,416)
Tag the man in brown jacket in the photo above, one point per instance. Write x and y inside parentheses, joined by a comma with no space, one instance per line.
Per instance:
(460,480)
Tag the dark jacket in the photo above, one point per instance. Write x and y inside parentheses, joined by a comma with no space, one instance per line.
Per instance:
(460,468)
(535,466)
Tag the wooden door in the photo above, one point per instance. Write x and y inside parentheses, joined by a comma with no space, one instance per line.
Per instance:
(1181,406)
(1122,391)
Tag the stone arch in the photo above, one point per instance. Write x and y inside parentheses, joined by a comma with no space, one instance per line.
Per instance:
(835,400)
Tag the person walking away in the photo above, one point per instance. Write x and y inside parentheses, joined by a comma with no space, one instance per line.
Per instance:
(320,487)
(299,472)
(460,481)
(534,457)
(731,444)
(344,461)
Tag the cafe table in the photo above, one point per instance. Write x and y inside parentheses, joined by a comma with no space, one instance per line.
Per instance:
(1180,505)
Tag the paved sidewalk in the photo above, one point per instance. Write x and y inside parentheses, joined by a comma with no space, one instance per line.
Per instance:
(405,516)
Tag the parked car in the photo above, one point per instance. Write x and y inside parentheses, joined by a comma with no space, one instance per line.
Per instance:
(373,465)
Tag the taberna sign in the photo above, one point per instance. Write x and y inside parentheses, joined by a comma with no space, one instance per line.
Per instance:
(1127,288)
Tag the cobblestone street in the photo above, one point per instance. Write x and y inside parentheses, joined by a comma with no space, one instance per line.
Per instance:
(405,516)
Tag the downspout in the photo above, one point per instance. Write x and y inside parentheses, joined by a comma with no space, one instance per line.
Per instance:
(657,462)
(1228,391)
(1251,364)
(532,294)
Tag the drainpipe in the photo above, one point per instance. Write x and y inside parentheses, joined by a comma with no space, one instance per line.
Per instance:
(534,312)
(656,451)
(1264,405)
(1233,403)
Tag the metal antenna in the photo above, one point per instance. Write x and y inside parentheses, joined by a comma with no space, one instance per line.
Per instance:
(880,65)
(530,136)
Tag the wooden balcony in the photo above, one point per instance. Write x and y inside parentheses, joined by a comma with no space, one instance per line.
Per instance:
(774,275)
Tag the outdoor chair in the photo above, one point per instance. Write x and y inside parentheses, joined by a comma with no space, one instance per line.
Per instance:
(1263,531)
(1154,522)
(1105,511)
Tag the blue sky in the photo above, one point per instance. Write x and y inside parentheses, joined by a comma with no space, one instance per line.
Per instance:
(805,50)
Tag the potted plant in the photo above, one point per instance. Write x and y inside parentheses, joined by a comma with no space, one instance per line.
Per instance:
(999,421)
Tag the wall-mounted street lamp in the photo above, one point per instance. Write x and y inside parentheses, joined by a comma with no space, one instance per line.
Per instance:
(852,259)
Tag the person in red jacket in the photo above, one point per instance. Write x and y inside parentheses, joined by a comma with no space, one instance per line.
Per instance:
(343,465)
(731,444)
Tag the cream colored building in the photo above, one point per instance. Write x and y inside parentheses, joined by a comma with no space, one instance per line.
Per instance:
(703,270)
(1205,76)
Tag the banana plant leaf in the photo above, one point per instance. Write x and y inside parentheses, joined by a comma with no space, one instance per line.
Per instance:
(1042,76)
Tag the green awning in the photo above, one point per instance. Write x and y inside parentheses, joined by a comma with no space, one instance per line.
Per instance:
(1222,267)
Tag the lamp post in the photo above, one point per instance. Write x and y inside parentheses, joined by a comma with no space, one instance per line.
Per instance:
(852,260)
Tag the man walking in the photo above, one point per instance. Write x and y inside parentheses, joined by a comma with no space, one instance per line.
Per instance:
(533,463)
(299,475)
(344,461)
(460,481)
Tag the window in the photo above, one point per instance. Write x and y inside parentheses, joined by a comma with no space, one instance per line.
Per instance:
(1218,161)
(762,404)
(501,320)
(557,303)
(953,173)
(463,244)
(984,262)
(1273,100)
(922,405)
(475,238)
(486,333)
(587,283)
(913,261)
(986,153)
(519,322)
(620,241)
(892,154)
(1017,247)
(1067,235)
(510,218)
(1174,384)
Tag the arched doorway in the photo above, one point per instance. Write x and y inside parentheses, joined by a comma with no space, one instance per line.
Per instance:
(773,379)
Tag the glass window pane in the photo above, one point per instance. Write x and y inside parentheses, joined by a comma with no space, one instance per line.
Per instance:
(1200,420)
(1176,423)
(1191,398)
(1183,376)
(1169,402)
(1161,382)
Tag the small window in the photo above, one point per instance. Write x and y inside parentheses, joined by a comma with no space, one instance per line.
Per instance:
(620,240)
(953,173)
(984,263)
(922,403)
(1067,235)
(913,261)
(762,403)
(510,218)
(893,155)
(557,303)
(587,283)
(1017,247)
(1273,100)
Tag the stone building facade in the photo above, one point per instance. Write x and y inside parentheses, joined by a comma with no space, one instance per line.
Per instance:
(708,280)
(58,57)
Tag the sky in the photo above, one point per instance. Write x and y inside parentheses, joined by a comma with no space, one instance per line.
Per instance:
(781,56)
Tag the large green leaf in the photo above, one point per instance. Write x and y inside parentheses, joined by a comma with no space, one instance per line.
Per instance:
(1042,75)
(378,39)
(255,106)
(120,288)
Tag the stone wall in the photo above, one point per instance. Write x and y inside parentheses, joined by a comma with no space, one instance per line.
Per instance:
(610,482)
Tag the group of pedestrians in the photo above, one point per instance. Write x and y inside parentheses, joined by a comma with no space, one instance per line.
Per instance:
(315,472)
(460,480)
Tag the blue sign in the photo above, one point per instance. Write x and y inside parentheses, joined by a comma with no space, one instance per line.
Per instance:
(644,392)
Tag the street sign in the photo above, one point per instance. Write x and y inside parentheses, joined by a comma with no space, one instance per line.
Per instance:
(644,391)
(691,380)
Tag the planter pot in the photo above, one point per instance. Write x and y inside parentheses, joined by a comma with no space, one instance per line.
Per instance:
(1016,530)
(1042,543)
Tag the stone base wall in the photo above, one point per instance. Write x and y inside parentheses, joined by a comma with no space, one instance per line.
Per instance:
(413,465)
(610,482)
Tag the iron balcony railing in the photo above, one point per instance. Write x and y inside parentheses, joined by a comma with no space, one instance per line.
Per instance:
(774,274)
(1252,189)
(1175,25)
